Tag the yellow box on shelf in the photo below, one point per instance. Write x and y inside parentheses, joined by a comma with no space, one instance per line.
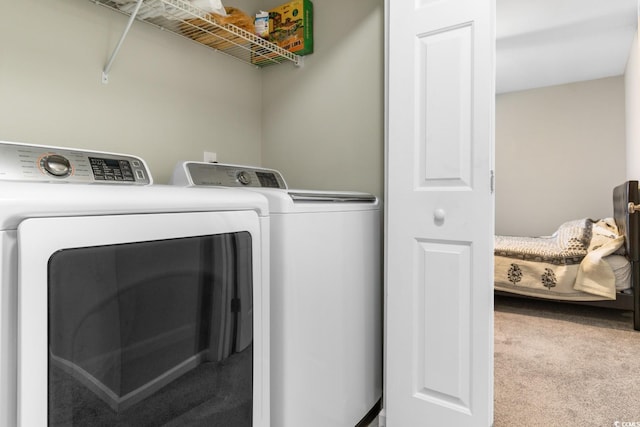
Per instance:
(291,26)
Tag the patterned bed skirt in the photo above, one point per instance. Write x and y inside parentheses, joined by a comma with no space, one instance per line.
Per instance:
(538,279)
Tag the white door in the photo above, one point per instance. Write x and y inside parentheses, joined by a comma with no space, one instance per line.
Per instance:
(439,247)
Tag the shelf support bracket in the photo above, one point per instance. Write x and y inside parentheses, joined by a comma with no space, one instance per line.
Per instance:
(107,67)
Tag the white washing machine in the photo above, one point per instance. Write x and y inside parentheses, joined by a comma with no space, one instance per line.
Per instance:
(126,303)
(326,296)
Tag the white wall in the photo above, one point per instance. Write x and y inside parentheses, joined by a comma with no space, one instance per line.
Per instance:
(167,99)
(323,124)
(170,99)
(559,152)
(632,98)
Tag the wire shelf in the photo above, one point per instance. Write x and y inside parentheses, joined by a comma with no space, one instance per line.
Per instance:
(182,18)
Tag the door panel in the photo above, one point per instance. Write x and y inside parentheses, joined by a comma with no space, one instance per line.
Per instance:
(442,292)
(444,91)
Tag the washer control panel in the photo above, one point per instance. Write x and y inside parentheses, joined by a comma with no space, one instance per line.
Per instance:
(23,162)
(219,174)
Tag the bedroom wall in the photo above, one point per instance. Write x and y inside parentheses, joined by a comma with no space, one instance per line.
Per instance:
(632,99)
(559,153)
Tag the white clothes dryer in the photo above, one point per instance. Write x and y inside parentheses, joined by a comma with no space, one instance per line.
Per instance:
(126,303)
(326,296)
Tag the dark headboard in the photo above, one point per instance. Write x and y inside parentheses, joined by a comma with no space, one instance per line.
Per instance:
(628,224)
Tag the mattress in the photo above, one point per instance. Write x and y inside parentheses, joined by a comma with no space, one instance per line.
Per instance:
(621,268)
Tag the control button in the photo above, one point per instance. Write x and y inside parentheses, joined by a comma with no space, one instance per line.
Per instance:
(243,177)
(56,165)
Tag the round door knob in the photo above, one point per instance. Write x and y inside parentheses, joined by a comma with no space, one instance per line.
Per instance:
(439,216)
(56,165)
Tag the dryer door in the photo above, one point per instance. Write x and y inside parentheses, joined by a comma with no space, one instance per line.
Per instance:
(140,320)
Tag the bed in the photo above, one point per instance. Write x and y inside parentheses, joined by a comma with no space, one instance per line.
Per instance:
(594,262)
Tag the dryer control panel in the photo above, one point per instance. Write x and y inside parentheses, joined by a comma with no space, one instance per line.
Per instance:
(226,175)
(24,162)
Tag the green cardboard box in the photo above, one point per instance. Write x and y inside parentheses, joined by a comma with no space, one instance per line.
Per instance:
(291,26)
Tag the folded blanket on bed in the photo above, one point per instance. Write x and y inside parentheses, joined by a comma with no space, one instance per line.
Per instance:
(595,275)
(568,245)
(566,265)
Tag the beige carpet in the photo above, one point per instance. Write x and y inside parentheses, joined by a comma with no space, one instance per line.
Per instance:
(565,365)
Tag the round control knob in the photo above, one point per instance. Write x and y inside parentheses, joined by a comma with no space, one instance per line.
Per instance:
(243,177)
(56,165)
